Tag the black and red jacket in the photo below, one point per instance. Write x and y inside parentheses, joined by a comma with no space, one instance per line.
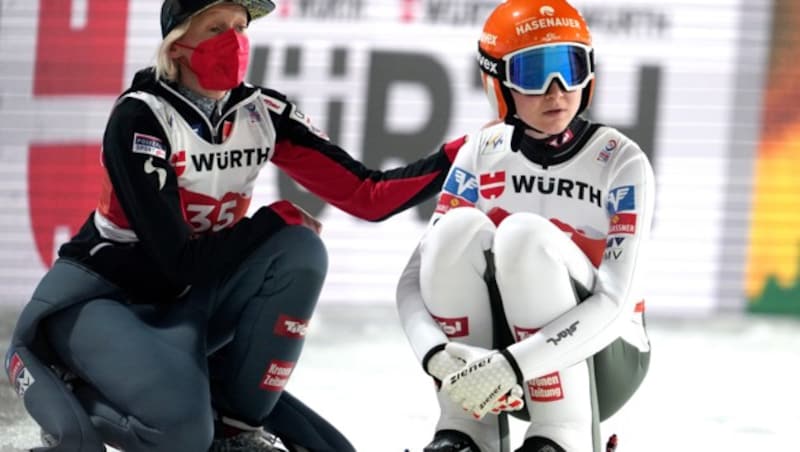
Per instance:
(158,252)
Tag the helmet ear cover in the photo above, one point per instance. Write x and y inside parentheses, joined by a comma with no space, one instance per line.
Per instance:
(492,66)
(496,69)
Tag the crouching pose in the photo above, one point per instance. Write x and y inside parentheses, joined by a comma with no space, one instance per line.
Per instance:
(173,320)
(523,295)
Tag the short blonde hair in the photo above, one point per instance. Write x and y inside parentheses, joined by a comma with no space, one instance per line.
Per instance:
(165,65)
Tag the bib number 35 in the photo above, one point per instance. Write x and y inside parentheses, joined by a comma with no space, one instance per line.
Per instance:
(209,215)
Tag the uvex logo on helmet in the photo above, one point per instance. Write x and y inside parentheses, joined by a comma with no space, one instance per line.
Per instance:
(488,65)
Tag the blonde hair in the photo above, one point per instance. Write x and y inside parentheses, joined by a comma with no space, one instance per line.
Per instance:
(165,65)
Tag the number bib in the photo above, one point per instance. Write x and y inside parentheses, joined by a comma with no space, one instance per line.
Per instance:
(216,181)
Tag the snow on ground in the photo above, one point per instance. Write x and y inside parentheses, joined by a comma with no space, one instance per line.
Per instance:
(723,384)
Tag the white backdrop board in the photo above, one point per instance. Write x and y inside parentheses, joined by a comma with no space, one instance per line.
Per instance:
(391,80)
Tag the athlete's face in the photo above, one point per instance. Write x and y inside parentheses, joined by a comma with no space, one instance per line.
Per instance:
(208,24)
(550,112)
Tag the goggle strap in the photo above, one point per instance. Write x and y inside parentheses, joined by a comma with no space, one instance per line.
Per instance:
(491,65)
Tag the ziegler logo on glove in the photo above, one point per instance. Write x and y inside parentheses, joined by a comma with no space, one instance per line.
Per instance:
(490,398)
(472,368)
(567,332)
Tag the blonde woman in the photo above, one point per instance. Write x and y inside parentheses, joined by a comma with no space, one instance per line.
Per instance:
(173,320)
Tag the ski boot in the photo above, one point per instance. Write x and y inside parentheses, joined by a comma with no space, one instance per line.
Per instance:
(451,441)
(235,436)
(540,444)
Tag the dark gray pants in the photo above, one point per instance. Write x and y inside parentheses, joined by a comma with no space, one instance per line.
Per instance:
(151,374)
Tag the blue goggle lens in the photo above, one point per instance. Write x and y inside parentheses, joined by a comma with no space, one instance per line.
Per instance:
(532,69)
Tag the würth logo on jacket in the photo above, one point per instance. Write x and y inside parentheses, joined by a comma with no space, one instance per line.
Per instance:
(234,158)
(493,184)
(178,161)
(559,187)
(291,327)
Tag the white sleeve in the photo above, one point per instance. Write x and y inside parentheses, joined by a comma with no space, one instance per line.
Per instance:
(422,331)
(602,317)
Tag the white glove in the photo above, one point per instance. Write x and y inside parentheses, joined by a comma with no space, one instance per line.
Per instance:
(441,364)
(513,401)
(487,381)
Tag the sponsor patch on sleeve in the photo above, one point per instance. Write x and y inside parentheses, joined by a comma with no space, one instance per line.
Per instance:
(291,327)
(453,327)
(463,185)
(622,223)
(277,375)
(546,388)
(621,199)
(19,376)
(149,145)
(614,250)
(607,152)
(274,104)
(448,201)
(302,118)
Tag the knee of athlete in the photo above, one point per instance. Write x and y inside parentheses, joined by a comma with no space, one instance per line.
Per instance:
(457,233)
(461,221)
(190,428)
(172,409)
(306,253)
(525,238)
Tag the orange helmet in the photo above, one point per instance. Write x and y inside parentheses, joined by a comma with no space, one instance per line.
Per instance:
(528,44)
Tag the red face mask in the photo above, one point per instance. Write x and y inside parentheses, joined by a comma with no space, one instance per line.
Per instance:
(220,63)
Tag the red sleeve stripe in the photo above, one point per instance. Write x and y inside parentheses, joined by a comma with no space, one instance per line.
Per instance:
(366,198)
(451,148)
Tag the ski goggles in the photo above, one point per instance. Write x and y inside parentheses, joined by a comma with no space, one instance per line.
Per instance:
(532,70)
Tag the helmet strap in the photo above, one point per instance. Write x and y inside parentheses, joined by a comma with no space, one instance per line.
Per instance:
(520,127)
